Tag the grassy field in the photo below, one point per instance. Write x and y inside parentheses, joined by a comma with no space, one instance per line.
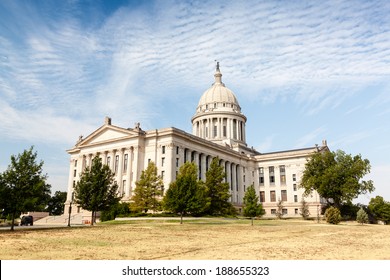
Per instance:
(210,239)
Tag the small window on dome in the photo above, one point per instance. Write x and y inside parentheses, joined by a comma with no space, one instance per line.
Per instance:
(207,106)
(215,105)
(224,104)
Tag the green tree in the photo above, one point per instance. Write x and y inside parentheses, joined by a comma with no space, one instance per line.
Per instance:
(336,176)
(252,206)
(217,190)
(55,205)
(304,210)
(380,209)
(332,215)
(279,209)
(361,216)
(148,190)
(186,195)
(23,185)
(96,190)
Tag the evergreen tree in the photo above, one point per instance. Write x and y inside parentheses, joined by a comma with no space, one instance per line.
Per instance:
(96,190)
(186,195)
(23,186)
(217,190)
(304,210)
(332,215)
(149,190)
(361,216)
(252,206)
(279,209)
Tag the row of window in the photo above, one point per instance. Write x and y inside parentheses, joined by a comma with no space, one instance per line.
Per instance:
(271,171)
(283,196)
(284,211)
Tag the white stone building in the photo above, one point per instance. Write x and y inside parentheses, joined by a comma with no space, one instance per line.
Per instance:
(218,129)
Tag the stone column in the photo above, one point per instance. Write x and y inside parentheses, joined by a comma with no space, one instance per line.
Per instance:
(234,181)
(203,167)
(120,171)
(128,173)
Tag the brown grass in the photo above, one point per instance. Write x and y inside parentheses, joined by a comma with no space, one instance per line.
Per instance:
(200,239)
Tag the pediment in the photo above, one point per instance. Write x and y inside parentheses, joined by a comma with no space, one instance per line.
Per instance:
(106,134)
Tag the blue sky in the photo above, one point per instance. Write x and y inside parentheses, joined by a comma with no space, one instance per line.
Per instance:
(303,71)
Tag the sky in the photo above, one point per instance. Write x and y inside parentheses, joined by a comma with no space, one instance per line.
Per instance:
(303,72)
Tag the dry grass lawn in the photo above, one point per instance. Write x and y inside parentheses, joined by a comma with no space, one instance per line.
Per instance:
(200,239)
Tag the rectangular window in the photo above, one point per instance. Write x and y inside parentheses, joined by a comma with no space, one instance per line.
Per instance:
(282,179)
(295,198)
(261,170)
(215,131)
(261,180)
(271,175)
(273,211)
(234,129)
(162,174)
(296,211)
(243,178)
(224,131)
(262,196)
(284,211)
(116,163)
(163,149)
(74,173)
(282,169)
(125,162)
(108,161)
(284,195)
(177,150)
(294,177)
(295,187)
(272,196)
(75,163)
(177,162)
(162,161)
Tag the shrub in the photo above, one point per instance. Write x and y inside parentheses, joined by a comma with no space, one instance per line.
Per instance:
(332,215)
(361,216)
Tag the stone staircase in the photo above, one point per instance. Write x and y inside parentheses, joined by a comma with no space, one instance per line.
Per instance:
(75,219)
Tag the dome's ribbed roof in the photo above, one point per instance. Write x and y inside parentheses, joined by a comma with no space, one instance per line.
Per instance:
(218,93)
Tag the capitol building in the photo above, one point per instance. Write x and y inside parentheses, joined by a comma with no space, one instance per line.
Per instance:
(218,130)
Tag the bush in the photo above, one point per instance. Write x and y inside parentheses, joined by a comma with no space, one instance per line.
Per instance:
(361,216)
(332,215)
(119,209)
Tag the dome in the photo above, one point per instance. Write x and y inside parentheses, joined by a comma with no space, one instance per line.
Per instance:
(218,117)
(218,96)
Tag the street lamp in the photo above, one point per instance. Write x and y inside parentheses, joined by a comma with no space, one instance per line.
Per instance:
(70,208)
(318,207)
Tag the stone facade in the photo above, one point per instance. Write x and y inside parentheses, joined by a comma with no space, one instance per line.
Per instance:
(218,130)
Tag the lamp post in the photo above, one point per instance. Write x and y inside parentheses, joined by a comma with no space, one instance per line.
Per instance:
(70,209)
(318,207)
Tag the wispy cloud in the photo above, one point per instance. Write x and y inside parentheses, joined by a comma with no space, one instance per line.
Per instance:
(318,55)
(311,138)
